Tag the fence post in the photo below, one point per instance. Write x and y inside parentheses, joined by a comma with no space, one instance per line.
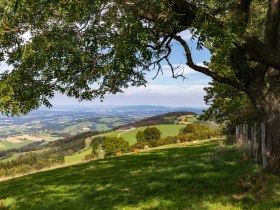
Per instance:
(264,158)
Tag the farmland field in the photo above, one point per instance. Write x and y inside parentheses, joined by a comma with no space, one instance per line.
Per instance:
(10,145)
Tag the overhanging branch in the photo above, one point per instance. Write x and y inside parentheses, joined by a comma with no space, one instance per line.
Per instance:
(204,70)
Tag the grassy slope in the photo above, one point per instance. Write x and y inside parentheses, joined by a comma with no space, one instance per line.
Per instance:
(166,130)
(191,177)
(10,145)
(79,156)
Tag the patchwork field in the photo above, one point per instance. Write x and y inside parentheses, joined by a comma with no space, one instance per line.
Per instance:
(16,142)
(206,175)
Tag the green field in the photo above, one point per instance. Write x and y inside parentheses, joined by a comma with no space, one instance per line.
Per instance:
(199,176)
(8,145)
(166,130)
(80,156)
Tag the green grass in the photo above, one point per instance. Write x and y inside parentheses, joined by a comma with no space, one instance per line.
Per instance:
(79,156)
(199,176)
(9,145)
(191,119)
(130,136)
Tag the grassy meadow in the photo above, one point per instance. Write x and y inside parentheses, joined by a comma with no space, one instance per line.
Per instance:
(207,175)
(130,136)
(9,145)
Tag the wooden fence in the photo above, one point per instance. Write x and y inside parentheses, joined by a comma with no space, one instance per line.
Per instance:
(251,137)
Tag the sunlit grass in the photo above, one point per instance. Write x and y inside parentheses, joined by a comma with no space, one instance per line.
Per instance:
(198,176)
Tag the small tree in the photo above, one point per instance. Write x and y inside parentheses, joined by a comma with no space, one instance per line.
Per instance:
(95,148)
(151,134)
(112,145)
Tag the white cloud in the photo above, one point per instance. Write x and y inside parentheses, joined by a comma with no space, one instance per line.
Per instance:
(186,35)
(164,95)
(180,68)
(26,36)
(5,67)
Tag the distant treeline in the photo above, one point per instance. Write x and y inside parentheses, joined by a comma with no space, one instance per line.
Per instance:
(30,161)
(167,118)
(27,148)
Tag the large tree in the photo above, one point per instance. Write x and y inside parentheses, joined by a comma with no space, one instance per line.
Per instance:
(90,48)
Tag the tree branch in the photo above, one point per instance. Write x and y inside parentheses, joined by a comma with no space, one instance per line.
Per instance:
(272,23)
(259,52)
(141,12)
(205,70)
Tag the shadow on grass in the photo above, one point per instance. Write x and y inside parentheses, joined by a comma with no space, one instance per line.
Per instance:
(190,177)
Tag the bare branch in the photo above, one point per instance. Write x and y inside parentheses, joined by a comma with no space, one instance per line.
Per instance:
(204,70)
(143,13)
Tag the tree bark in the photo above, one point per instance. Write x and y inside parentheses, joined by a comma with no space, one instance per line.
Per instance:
(269,112)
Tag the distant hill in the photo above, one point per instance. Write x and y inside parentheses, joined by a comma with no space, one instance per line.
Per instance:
(168,118)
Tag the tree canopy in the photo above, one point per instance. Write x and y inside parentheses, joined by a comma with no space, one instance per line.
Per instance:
(88,49)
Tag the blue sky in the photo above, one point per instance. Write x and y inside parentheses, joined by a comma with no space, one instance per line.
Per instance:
(163,90)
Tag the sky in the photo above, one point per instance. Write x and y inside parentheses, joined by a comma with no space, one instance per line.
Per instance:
(163,90)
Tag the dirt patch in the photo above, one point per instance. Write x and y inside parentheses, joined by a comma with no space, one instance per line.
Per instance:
(31,138)
(13,140)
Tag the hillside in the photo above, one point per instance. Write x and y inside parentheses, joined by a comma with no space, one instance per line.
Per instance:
(168,118)
(200,176)
(130,135)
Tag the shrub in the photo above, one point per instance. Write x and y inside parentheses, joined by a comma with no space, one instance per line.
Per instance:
(95,148)
(167,140)
(197,132)
(90,157)
(140,136)
(112,145)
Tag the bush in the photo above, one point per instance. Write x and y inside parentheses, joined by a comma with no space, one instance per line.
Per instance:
(197,132)
(90,157)
(167,140)
(140,137)
(112,145)
(95,148)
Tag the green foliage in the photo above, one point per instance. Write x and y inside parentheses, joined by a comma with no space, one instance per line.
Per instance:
(95,148)
(140,137)
(30,162)
(197,131)
(149,134)
(228,106)
(167,140)
(106,43)
(112,145)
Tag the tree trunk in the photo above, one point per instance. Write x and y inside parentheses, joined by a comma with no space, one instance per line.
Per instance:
(269,112)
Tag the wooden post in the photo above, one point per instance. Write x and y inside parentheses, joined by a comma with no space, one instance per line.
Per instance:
(252,141)
(256,145)
(264,158)
(246,136)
